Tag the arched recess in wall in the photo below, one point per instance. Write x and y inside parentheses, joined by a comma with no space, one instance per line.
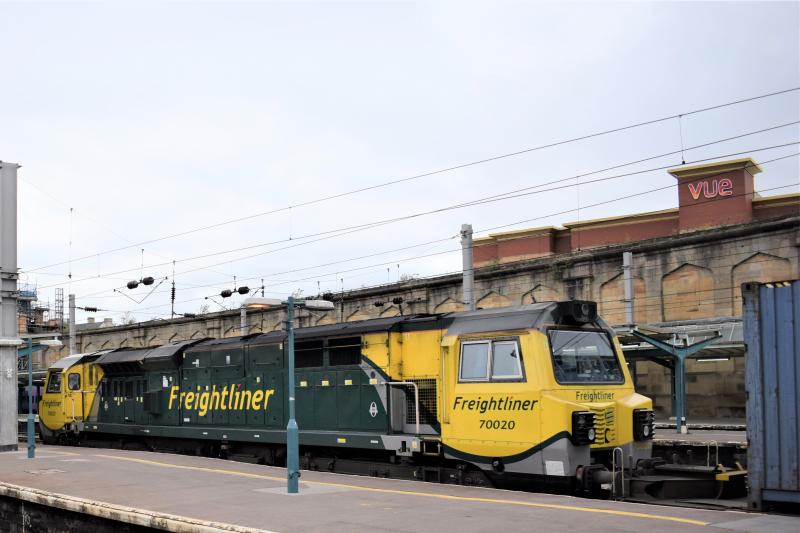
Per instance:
(89,347)
(357,315)
(540,293)
(612,300)
(124,343)
(154,341)
(232,331)
(448,305)
(392,310)
(277,326)
(327,318)
(759,267)
(492,300)
(687,293)
(105,344)
(172,337)
(195,335)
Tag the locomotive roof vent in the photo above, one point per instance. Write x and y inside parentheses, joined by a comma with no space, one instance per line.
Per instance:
(577,311)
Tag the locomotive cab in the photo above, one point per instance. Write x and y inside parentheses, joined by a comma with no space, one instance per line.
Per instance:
(544,402)
(67,397)
(589,373)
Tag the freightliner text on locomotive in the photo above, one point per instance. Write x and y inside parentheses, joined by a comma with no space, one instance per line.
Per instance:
(520,397)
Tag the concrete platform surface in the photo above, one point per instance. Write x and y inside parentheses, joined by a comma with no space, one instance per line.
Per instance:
(254,496)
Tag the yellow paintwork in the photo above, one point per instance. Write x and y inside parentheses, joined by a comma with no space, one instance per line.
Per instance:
(58,410)
(505,432)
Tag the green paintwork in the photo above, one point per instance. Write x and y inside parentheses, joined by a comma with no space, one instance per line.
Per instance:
(333,402)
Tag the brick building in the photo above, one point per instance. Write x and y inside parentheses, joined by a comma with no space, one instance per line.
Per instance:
(688,265)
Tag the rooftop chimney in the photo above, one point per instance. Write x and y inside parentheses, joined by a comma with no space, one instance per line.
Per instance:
(90,320)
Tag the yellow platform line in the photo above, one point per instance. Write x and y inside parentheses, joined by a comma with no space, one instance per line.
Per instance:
(630,514)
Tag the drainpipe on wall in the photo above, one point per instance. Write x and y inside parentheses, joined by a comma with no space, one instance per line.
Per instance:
(467,267)
(627,265)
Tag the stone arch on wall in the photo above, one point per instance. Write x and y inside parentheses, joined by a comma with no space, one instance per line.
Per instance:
(540,293)
(357,315)
(231,331)
(154,341)
(448,305)
(612,300)
(195,334)
(390,311)
(687,293)
(105,344)
(277,326)
(172,337)
(759,267)
(327,318)
(89,347)
(124,342)
(492,300)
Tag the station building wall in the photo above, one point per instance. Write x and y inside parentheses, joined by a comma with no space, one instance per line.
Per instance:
(686,267)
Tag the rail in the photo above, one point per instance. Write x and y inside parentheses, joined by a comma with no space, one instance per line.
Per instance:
(416,398)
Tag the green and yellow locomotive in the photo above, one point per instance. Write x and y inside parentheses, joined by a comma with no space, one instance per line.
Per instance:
(513,396)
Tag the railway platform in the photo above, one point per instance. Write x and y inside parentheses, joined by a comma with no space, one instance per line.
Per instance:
(183,493)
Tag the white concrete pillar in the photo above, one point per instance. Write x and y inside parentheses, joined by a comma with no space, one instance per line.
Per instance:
(9,339)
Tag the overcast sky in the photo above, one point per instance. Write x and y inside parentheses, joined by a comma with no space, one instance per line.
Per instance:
(154,119)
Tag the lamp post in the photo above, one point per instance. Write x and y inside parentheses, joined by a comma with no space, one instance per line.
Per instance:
(292,430)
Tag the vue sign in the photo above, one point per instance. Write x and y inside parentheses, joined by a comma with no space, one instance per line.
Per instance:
(711,188)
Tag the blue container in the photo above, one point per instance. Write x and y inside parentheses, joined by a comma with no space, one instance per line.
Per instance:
(772,379)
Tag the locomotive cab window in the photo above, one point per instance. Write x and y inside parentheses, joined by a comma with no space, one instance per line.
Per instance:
(498,360)
(54,382)
(74,382)
(584,357)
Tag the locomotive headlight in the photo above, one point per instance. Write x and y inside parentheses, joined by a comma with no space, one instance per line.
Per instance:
(583,431)
(643,420)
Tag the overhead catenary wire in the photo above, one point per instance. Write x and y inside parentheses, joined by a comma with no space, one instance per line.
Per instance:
(394,260)
(338,232)
(517,285)
(572,210)
(659,304)
(516,192)
(433,173)
(454,251)
(614,272)
(102,225)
